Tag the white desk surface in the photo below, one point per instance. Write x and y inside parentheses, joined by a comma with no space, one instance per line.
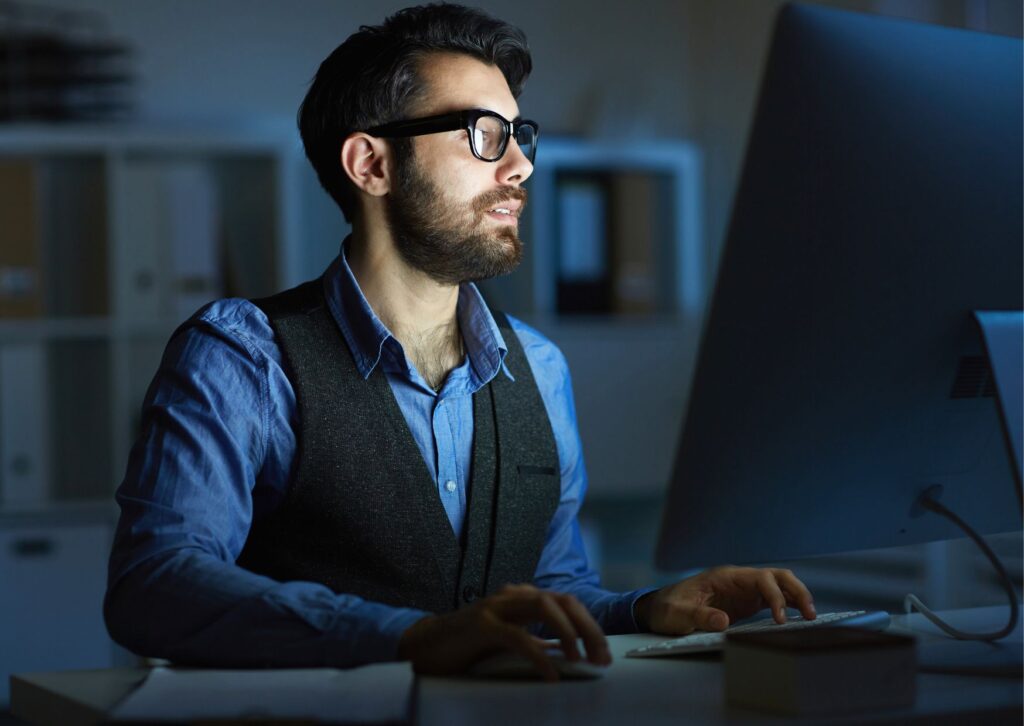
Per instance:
(635,690)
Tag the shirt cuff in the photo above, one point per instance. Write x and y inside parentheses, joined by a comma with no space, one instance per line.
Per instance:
(636,595)
(380,643)
(616,612)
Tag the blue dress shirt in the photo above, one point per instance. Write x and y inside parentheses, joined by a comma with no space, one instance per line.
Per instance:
(216,452)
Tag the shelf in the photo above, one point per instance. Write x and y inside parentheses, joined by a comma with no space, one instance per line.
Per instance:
(86,328)
(648,200)
(117,233)
(67,512)
(102,138)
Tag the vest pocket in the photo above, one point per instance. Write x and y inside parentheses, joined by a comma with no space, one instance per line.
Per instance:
(527,469)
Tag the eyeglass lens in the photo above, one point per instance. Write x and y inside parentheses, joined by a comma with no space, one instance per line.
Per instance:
(489,138)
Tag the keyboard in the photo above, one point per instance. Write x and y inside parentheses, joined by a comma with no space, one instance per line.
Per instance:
(705,642)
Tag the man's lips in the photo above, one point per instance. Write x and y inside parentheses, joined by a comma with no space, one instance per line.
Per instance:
(509,213)
(510,202)
(512,218)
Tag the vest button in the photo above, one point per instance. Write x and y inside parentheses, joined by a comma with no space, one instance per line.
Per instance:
(468,594)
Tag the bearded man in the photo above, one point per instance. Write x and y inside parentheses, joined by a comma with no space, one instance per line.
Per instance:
(374,465)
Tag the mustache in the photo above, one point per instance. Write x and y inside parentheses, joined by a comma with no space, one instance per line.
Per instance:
(489,200)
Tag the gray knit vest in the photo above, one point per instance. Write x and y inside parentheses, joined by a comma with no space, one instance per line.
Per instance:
(362,514)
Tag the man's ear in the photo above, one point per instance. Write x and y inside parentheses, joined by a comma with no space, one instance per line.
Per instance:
(365,161)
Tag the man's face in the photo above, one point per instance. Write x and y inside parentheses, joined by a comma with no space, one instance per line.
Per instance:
(440,208)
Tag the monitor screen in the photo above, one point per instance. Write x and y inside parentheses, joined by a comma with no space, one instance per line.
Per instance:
(841,371)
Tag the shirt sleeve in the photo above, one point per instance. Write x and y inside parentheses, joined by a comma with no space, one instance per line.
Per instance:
(563,565)
(187,502)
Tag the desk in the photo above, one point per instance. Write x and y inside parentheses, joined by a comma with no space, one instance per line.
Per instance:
(637,690)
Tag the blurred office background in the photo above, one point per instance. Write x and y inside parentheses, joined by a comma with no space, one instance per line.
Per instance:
(149,163)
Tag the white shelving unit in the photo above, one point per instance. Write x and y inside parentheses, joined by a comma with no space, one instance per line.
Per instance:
(113,206)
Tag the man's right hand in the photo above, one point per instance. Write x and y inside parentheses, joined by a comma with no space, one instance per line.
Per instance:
(450,643)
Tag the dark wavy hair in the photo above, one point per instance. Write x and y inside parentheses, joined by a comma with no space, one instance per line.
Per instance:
(372,78)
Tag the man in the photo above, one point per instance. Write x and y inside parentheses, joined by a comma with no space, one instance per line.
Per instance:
(374,466)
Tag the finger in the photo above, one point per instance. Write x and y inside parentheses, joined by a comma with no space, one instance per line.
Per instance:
(534,606)
(593,637)
(710,619)
(537,606)
(685,619)
(796,593)
(559,621)
(772,594)
(518,640)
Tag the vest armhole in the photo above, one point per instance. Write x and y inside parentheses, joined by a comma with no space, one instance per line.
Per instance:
(299,300)
(501,318)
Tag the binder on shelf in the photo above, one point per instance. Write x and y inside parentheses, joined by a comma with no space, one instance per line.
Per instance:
(20,254)
(73,192)
(24,430)
(80,420)
(584,269)
(193,237)
(169,250)
(140,221)
(634,243)
(251,216)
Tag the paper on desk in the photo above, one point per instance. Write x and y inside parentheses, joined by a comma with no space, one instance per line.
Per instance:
(372,694)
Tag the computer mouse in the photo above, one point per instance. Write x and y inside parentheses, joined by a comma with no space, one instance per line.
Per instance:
(508,664)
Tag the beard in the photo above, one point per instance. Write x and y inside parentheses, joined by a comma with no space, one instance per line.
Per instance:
(442,238)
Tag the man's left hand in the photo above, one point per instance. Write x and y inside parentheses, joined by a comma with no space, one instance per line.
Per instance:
(720,596)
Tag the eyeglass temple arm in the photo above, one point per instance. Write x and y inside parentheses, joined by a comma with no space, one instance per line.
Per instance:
(416,127)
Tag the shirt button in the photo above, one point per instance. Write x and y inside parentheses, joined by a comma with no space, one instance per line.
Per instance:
(450,486)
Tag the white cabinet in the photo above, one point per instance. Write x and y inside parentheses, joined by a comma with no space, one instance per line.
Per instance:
(53,574)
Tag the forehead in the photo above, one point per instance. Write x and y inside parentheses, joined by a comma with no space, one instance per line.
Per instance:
(455,82)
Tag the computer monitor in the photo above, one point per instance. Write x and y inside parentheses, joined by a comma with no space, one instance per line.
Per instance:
(841,372)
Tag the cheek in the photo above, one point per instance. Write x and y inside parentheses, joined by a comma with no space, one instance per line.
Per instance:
(460,189)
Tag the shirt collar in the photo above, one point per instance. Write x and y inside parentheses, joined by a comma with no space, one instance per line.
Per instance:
(367,336)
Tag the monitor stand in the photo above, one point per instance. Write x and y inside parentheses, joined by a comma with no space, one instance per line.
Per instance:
(1000,652)
(1003,335)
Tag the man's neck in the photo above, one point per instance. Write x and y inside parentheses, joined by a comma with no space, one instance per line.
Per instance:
(419,311)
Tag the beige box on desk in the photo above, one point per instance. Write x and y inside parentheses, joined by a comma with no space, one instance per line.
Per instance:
(820,671)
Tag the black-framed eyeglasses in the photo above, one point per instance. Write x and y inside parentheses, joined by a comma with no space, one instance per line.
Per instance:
(488,131)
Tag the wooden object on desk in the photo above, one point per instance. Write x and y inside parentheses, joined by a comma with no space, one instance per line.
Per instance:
(820,671)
